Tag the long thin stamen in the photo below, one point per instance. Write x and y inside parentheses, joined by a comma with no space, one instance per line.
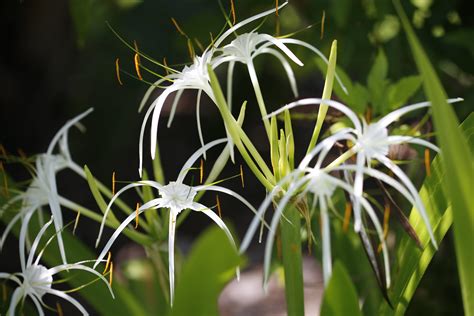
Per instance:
(136,215)
(3,151)
(76,222)
(276,8)
(427,162)
(107,263)
(59,309)
(242,176)
(166,66)
(117,71)
(219,210)
(178,28)
(22,154)
(347,216)
(113,183)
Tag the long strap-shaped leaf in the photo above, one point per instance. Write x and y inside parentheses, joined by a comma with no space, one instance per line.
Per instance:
(457,163)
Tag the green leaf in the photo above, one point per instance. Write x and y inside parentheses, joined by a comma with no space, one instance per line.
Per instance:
(340,297)
(457,163)
(400,92)
(210,265)
(292,261)
(377,82)
(411,261)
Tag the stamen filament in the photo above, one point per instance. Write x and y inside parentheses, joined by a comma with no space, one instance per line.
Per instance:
(117,71)
(178,28)
(76,222)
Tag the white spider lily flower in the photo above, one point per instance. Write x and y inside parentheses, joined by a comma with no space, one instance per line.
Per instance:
(371,142)
(43,189)
(317,181)
(175,196)
(194,77)
(35,280)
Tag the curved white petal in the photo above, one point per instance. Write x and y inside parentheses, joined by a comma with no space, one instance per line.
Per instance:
(280,44)
(173,107)
(395,115)
(331,103)
(286,65)
(16,297)
(118,231)
(317,52)
(412,140)
(70,299)
(326,240)
(149,92)
(230,77)
(198,121)
(195,156)
(234,28)
(36,242)
(409,185)
(64,129)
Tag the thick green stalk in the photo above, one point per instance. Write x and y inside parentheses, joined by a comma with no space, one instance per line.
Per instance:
(327,91)
(292,261)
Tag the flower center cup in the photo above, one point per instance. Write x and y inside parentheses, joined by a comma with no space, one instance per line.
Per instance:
(321,184)
(37,279)
(374,140)
(177,196)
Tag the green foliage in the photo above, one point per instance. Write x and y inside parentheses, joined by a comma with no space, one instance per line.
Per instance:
(457,163)
(210,265)
(292,261)
(340,297)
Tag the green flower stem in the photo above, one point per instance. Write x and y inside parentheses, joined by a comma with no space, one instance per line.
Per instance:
(327,91)
(136,236)
(292,261)
(259,96)
(341,159)
(238,136)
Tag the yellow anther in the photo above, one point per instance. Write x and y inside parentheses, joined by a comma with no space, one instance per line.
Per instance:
(232,10)
(113,183)
(136,215)
(323,19)
(219,210)
(111,273)
(276,7)
(201,171)
(59,309)
(347,216)
(242,176)
(117,70)
(76,222)
(107,263)
(5,180)
(178,28)
(136,60)
(427,162)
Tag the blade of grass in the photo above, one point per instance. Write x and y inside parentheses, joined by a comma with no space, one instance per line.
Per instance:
(457,162)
